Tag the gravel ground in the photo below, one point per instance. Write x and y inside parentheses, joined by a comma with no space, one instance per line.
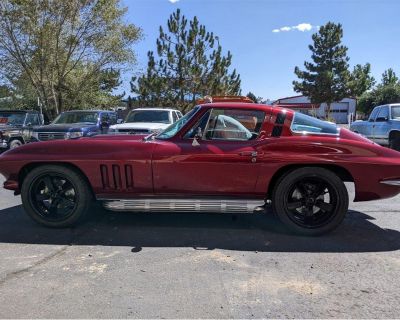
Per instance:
(199,266)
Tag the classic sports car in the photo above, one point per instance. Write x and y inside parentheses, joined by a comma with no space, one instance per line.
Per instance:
(224,157)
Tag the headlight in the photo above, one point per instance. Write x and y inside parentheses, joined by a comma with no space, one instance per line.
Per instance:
(74,135)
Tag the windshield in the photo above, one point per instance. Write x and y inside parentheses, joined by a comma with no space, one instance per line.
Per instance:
(306,124)
(158,116)
(395,112)
(12,119)
(174,128)
(77,117)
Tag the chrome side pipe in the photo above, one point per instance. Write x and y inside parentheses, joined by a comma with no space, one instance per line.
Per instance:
(184,205)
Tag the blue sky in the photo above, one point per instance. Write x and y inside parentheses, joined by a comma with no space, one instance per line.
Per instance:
(264,57)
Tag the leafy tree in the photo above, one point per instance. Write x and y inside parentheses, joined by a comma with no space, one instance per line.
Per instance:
(389,77)
(382,94)
(63,48)
(360,80)
(326,78)
(253,97)
(190,64)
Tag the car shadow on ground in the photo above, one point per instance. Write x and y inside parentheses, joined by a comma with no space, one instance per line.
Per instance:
(245,232)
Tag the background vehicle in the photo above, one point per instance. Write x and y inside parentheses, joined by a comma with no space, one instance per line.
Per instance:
(16,127)
(222,157)
(147,120)
(75,124)
(382,126)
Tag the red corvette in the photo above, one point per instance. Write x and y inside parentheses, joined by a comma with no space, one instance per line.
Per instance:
(225,157)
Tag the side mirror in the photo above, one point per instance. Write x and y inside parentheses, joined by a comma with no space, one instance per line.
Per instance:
(197,137)
(119,121)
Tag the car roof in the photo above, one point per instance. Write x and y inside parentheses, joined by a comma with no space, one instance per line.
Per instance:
(240,105)
(155,109)
(20,111)
(89,111)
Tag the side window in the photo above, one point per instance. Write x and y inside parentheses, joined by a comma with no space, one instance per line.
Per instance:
(113,118)
(174,116)
(200,124)
(230,124)
(180,115)
(373,114)
(105,117)
(33,119)
(383,114)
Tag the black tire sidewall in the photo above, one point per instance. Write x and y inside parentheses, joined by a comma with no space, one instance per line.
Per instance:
(84,196)
(287,180)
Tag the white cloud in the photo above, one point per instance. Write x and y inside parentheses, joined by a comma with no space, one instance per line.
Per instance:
(173,1)
(303,27)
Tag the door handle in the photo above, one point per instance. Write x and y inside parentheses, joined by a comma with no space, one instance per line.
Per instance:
(248,153)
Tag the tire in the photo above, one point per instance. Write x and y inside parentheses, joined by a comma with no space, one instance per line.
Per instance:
(394,143)
(310,201)
(56,196)
(15,144)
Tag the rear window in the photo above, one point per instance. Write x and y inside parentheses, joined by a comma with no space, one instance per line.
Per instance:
(305,124)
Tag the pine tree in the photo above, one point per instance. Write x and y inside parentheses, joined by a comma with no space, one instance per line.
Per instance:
(389,77)
(190,64)
(360,80)
(325,79)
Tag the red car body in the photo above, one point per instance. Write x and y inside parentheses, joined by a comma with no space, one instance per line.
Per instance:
(127,167)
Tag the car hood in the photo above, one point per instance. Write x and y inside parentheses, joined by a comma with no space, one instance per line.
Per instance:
(4,128)
(140,125)
(65,127)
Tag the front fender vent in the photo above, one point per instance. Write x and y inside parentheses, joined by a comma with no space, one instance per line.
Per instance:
(116,177)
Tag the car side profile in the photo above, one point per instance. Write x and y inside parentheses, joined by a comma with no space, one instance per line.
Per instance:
(16,127)
(147,120)
(76,124)
(219,157)
(382,126)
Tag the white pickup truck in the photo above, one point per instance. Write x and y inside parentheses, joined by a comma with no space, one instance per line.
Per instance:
(382,126)
(146,121)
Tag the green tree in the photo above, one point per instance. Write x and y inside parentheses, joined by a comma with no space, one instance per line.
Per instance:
(360,80)
(61,47)
(190,64)
(389,77)
(325,79)
(382,94)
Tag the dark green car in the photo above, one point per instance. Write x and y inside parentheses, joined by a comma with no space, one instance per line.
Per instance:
(16,127)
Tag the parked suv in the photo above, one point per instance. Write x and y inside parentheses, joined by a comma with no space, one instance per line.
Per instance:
(382,126)
(75,124)
(16,127)
(147,120)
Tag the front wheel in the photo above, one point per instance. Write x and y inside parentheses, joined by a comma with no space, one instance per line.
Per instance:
(55,196)
(310,201)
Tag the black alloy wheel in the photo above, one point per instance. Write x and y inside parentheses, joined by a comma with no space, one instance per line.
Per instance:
(310,200)
(53,196)
(56,196)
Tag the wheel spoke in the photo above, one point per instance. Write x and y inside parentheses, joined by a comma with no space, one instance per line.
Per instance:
(67,203)
(294,205)
(302,189)
(48,181)
(41,197)
(309,211)
(319,188)
(328,207)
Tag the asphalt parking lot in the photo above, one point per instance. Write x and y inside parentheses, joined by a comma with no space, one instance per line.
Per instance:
(199,266)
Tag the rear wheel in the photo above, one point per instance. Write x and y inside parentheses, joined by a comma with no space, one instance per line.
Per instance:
(310,201)
(55,196)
